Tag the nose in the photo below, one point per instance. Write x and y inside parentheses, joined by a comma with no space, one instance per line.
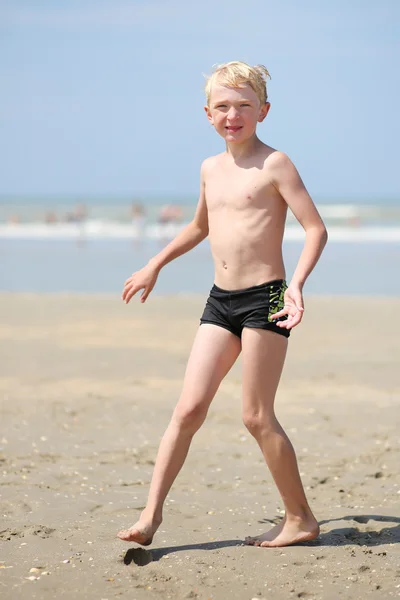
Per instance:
(232,114)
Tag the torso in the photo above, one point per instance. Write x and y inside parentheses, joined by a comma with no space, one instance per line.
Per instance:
(246,219)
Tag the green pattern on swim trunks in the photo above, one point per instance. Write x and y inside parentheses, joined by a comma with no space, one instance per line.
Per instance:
(276,300)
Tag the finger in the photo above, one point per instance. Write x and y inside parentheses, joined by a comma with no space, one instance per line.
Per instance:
(126,296)
(144,295)
(125,290)
(281,313)
(130,280)
(284,324)
(296,320)
(133,290)
(292,320)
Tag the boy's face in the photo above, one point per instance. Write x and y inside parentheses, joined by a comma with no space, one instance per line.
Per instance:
(235,112)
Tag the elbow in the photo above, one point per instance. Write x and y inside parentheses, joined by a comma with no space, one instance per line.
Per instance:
(318,233)
(324,236)
(201,228)
(204,233)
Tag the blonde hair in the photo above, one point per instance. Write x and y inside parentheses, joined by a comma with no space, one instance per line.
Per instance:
(238,73)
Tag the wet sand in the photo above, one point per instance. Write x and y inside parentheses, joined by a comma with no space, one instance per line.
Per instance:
(87,388)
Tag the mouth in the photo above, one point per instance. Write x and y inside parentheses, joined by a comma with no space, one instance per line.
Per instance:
(232,129)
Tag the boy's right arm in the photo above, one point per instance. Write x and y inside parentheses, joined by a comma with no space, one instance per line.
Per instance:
(194,233)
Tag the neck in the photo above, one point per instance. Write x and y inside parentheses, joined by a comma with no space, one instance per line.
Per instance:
(244,150)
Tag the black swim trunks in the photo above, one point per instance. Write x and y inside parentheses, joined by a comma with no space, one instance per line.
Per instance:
(250,307)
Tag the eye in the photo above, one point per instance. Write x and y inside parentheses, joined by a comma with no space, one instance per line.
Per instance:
(245,104)
(221,106)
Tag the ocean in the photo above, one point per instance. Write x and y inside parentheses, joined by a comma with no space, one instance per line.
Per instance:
(93,245)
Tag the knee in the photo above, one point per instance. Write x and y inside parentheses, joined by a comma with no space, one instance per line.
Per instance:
(258,422)
(189,418)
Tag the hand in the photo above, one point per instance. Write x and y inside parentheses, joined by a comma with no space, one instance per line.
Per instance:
(145,279)
(294,308)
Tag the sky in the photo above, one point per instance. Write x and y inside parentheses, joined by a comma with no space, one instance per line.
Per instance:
(106,97)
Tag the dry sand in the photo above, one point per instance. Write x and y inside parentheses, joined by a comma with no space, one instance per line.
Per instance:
(87,388)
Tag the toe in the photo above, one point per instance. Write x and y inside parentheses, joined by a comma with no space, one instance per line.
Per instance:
(128,534)
(121,535)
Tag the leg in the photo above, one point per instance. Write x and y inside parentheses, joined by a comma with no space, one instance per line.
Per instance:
(263,355)
(214,351)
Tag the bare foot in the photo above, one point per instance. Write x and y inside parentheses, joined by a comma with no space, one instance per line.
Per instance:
(142,532)
(287,533)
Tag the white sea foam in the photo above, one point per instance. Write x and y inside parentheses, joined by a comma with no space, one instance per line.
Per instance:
(99,229)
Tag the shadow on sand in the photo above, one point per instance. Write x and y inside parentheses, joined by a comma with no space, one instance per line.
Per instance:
(343,536)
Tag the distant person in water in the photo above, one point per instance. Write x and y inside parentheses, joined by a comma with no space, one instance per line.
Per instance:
(245,193)
(78,215)
(170,213)
(81,213)
(50,218)
(138,216)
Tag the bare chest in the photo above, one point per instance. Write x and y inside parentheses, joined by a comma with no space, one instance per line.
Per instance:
(238,191)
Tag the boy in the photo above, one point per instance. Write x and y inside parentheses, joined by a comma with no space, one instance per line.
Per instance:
(244,195)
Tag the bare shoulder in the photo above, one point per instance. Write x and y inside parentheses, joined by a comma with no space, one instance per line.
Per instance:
(211,162)
(278,160)
(281,170)
(208,166)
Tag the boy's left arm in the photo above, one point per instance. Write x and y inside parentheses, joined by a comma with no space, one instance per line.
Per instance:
(288,183)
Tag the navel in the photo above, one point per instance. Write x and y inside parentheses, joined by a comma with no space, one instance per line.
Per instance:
(224,264)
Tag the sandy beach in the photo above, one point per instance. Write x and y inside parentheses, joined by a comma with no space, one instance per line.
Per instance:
(87,387)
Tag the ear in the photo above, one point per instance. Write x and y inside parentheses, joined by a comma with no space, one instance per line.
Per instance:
(209,115)
(264,110)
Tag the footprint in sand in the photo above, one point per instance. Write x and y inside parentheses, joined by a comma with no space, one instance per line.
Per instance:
(39,530)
